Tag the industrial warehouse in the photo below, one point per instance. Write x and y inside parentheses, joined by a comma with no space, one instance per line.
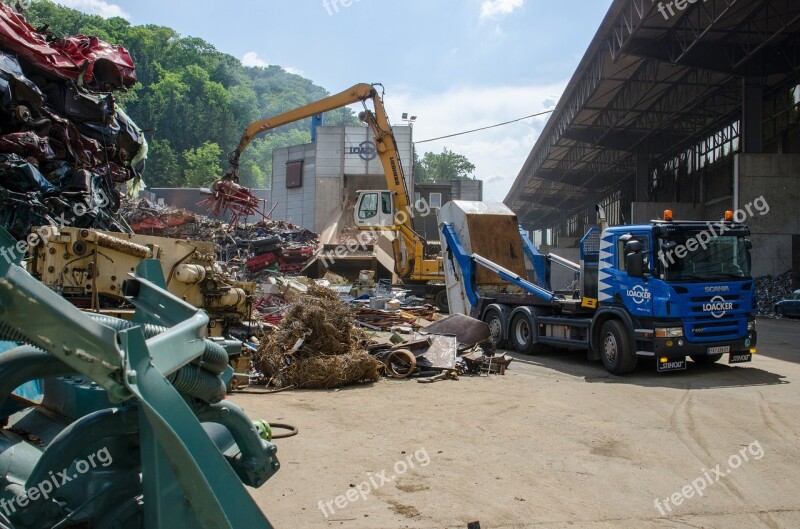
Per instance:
(232,298)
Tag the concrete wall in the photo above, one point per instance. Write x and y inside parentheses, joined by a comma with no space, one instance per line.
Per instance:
(467,189)
(560,277)
(644,212)
(297,204)
(770,184)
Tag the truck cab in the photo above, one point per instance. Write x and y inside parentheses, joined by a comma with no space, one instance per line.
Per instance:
(685,286)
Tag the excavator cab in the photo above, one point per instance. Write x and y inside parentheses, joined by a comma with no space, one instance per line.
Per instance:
(374,208)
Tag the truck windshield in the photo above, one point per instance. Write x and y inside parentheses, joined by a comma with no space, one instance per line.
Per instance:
(691,257)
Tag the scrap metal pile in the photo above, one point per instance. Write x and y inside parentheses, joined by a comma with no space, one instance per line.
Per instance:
(64,143)
(317,345)
(250,251)
(319,336)
(770,290)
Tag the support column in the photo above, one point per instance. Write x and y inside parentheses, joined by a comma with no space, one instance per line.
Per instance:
(642,179)
(591,202)
(752,115)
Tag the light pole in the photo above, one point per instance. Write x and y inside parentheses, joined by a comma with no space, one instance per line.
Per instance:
(410,121)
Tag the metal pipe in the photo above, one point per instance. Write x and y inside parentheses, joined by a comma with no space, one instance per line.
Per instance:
(256,461)
(214,358)
(73,441)
(115,243)
(25,363)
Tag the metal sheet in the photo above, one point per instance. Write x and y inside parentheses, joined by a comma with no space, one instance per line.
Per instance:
(440,355)
(468,331)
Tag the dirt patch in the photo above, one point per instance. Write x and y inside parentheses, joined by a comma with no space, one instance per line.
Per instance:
(406,510)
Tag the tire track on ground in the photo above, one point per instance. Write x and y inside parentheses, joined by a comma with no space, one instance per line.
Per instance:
(773,420)
(686,427)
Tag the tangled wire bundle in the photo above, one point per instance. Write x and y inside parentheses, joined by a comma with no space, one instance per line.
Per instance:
(331,354)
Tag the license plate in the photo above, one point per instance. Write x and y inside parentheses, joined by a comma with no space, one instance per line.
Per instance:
(718,350)
(672,364)
(738,358)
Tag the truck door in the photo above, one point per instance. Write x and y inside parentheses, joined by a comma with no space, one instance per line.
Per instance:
(374,208)
(636,292)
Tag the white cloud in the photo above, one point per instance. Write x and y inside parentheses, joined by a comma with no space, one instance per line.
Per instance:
(498,8)
(251,58)
(498,153)
(96,7)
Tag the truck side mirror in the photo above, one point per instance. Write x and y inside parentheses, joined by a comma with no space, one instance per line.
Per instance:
(748,244)
(634,264)
(633,246)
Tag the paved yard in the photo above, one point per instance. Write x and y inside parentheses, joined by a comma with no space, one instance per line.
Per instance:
(555,443)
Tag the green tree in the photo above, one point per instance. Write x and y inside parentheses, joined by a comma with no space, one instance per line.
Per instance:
(190,96)
(202,165)
(163,165)
(446,165)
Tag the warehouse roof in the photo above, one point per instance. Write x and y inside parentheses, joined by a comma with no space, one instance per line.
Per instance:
(658,75)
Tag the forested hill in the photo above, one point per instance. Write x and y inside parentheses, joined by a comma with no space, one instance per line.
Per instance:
(195,101)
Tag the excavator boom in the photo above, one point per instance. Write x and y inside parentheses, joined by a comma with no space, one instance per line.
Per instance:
(354,94)
(409,247)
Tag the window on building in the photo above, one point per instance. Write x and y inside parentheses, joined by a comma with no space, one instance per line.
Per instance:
(294,174)
(435,200)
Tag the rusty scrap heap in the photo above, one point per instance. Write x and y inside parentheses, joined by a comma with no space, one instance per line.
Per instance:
(317,345)
(64,143)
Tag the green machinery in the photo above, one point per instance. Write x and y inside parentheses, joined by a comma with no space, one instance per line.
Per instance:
(132,430)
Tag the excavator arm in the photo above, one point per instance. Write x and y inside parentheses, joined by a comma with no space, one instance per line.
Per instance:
(354,94)
(409,247)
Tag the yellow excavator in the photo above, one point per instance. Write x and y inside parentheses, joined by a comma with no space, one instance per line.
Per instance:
(409,248)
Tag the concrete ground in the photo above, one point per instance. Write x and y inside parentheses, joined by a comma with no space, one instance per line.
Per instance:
(555,443)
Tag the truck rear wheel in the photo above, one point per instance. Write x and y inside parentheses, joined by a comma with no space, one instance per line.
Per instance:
(521,335)
(495,322)
(615,348)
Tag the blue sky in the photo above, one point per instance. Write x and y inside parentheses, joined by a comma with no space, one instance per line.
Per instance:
(456,64)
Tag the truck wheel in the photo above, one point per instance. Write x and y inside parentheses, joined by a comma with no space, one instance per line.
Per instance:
(495,322)
(441,301)
(705,359)
(521,335)
(615,348)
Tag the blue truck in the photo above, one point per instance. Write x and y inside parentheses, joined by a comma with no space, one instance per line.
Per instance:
(666,290)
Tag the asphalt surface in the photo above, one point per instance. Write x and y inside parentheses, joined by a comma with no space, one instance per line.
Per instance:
(557,443)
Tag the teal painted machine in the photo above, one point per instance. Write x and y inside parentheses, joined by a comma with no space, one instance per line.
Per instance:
(132,430)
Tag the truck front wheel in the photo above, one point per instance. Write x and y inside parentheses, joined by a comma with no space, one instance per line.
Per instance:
(522,334)
(615,348)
